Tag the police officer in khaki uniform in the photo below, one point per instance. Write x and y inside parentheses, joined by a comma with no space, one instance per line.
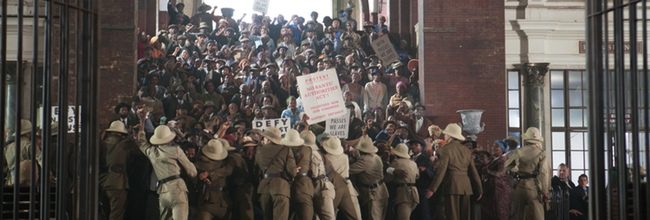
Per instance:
(239,183)
(368,170)
(406,195)
(302,189)
(278,166)
(324,192)
(115,152)
(213,170)
(453,171)
(25,154)
(165,157)
(337,167)
(531,169)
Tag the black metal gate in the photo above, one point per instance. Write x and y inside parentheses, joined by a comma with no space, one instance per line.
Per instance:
(48,68)
(619,113)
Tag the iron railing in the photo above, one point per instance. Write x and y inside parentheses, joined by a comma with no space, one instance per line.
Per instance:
(619,120)
(66,187)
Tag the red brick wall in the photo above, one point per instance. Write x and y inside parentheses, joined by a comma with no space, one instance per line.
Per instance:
(117,56)
(464,62)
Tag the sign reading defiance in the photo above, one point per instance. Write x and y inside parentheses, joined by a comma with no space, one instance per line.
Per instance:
(321,95)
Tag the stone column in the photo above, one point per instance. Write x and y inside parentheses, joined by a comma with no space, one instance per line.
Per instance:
(534,75)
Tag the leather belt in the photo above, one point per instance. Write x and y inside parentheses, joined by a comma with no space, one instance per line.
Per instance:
(525,176)
(167,179)
(271,175)
(321,177)
(371,186)
(405,184)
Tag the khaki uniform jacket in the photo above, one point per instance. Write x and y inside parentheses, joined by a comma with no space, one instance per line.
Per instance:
(303,186)
(217,170)
(25,154)
(405,189)
(116,151)
(453,171)
(525,161)
(368,170)
(275,159)
(167,161)
(339,165)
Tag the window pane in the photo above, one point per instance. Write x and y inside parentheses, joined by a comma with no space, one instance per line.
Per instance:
(577,140)
(576,117)
(513,118)
(585,80)
(557,116)
(575,80)
(575,98)
(558,140)
(577,160)
(557,79)
(513,80)
(558,158)
(513,99)
(557,98)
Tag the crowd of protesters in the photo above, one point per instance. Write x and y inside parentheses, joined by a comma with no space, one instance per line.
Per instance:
(183,147)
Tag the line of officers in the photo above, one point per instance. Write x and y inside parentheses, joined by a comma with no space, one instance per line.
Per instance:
(298,176)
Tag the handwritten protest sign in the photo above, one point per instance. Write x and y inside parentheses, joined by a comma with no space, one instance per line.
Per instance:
(261,6)
(338,126)
(321,95)
(281,123)
(385,50)
(72,117)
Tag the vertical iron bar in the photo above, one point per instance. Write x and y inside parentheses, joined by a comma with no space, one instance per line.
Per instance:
(619,65)
(46,103)
(61,192)
(18,107)
(3,90)
(93,140)
(634,110)
(79,103)
(646,88)
(608,105)
(33,111)
(596,127)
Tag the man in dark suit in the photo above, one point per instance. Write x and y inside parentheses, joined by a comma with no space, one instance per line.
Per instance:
(420,123)
(456,175)
(174,102)
(125,115)
(580,199)
(425,167)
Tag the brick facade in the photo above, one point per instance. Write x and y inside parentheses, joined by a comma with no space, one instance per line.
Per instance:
(464,62)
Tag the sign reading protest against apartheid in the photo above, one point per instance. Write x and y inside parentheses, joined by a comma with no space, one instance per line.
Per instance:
(321,95)
(385,50)
(261,6)
(338,126)
(281,123)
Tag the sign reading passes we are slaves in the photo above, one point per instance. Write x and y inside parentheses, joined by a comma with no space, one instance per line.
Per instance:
(281,123)
(385,50)
(321,95)
(338,127)
(261,6)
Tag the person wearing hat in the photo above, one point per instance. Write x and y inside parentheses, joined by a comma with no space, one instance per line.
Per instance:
(421,123)
(337,166)
(23,139)
(202,18)
(455,175)
(124,113)
(323,188)
(167,159)
(116,149)
(212,173)
(405,196)
(530,166)
(240,186)
(368,170)
(302,189)
(176,15)
(374,93)
(278,166)
(425,169)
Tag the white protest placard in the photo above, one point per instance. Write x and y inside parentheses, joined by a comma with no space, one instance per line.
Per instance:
(321,95)
(385,50)
(163,5)
(338,126)
(72,117)
(261,6)
(281,123)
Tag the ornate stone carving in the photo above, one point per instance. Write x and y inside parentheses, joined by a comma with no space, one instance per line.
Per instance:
(535,73)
